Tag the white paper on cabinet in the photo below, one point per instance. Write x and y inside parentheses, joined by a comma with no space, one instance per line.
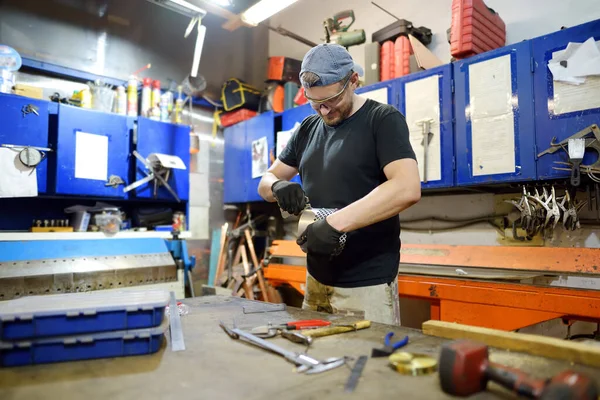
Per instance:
(16,179)
(492,117)
(422,98)
(379,95)
(91,156)
(571,97)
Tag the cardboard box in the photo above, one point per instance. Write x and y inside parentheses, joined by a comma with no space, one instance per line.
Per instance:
(29,91)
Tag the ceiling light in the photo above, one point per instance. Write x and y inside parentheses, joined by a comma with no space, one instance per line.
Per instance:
(263,10)
(181,7)
(222,3)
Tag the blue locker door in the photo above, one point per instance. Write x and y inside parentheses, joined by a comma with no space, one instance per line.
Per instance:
(91,147)
(289,118)
(257,157)
(494,117)
(381,91)
(26,130)
(562,109)
(234,173)
(428,95)
(163,138)
(259,130)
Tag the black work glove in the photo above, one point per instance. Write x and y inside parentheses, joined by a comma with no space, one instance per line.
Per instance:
(289,196)
(320,238)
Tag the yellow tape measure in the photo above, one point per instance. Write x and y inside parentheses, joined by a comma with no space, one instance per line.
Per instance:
(413,364)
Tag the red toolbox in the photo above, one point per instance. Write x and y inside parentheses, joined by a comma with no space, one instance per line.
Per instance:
(387,61)
(234,117)
(475,29)
(402,52)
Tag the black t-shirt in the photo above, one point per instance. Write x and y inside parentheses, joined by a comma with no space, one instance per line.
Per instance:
(339,165)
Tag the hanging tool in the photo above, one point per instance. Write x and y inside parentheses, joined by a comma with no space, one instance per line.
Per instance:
(157,172)
(355,374)
(29,109)
(335,329)
(292,35)
(464,369)
(304,363)
(389,348)
(336,30)
(30,156)
(554,147)
(114,181)
(177,341)
(576,149)
(425,125)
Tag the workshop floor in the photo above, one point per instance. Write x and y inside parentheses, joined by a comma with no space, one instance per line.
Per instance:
(214,366)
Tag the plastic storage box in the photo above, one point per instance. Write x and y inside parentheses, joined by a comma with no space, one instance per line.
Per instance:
(72,348)
(80,313)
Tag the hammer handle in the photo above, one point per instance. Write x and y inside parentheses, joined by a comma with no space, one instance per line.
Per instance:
(333,330)
(515,380)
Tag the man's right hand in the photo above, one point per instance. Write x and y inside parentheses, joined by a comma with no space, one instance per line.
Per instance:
(290,196)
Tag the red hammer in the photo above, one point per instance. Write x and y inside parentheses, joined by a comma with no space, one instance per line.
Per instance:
(464,369)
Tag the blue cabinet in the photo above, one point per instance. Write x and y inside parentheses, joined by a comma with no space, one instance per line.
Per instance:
(494,130)
(29,129)
(92,146)
(289,118)
(163,138)
(234,187)
(427,96)
(384,92)
(248,148)
(260,145)
(562,109)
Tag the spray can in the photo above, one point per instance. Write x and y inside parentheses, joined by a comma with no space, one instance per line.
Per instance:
(146,97)
(156,100)
(178,106)
(132,96)
(164,108)
(121,103)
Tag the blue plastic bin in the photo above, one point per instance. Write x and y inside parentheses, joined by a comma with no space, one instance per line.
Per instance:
(72,348)
(80,313)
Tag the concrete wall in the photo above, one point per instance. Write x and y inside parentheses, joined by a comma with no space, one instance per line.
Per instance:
(524,19)
(114,38)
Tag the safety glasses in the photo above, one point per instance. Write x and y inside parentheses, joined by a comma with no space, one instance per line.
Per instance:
(331,100)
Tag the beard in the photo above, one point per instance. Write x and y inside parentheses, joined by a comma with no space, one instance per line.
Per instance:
(336,116)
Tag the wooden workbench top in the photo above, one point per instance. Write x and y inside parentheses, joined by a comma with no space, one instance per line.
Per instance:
(214,366)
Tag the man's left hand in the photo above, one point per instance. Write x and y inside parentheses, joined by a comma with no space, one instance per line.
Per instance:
(320,238)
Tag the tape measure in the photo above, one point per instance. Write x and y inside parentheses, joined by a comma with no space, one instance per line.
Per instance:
(413,364)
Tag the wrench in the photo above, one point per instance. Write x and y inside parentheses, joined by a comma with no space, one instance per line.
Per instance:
(303,362)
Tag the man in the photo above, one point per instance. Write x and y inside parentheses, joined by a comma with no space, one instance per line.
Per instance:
(354,155)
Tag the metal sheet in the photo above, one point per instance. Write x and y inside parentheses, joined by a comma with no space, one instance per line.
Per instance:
(11,288)
(83,265)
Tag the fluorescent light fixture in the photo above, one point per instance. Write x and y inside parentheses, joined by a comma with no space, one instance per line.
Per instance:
(222,3)
(189,6)
(181,6)
(264,9)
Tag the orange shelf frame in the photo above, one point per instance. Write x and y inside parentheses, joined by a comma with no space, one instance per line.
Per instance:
(498,305)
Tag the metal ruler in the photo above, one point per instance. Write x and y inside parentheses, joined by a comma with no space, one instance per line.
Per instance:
(177,343)
(355,374)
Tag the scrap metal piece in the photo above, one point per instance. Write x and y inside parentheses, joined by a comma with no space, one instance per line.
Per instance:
(413,364)
(355,374)
(271,308)
(177,341)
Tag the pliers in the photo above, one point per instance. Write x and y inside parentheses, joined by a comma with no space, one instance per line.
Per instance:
(389,347)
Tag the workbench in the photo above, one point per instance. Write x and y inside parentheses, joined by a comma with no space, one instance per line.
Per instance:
(214,366)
